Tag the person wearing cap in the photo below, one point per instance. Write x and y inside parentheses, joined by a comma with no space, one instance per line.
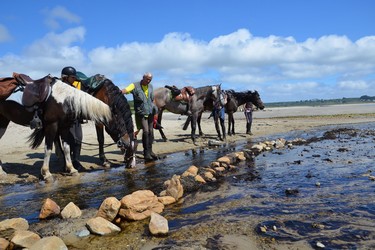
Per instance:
(145,110)
(69,76)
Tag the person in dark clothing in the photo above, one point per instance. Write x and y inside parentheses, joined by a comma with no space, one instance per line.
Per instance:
(248,110)
(69,76)
(145,110)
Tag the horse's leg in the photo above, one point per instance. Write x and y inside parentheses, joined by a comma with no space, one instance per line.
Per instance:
(222,124)
(160,115)
(4,122)
(100,136)
(58,148)
(199,124)
(50,135)
(129,156)
(66,147)
(216,120)
(230,115)
(232,118)
(194,118)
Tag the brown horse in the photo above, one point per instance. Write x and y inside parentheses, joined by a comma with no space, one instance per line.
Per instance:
(55,115)
(202,100)
(120,128)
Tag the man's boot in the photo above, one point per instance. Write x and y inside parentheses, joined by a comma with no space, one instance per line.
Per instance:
(76,154)
(248,129)
(146,150)
(153,155)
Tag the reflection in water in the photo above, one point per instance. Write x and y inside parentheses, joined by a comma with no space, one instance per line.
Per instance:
(88,190)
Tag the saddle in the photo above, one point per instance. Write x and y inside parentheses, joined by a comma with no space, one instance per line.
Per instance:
(181,95)
(8,85)
(91,84)
(35,91)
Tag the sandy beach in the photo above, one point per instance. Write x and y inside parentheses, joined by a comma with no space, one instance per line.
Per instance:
(18,158)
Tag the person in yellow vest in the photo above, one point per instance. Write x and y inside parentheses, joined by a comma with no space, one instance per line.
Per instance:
(69,76)
(145,110)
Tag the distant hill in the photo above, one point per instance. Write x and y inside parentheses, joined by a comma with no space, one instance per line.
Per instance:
(312,102)
(318,102)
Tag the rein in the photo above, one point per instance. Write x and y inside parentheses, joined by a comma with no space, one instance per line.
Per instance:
(97,144)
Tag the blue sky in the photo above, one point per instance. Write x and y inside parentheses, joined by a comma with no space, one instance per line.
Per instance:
(288,50)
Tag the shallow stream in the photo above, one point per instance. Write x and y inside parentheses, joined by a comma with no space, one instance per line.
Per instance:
(316,193)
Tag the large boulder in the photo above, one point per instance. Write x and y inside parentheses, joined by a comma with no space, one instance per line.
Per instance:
(139,205)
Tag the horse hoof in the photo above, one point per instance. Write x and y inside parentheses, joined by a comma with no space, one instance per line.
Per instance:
(107,164)
(49,179)
(74,173)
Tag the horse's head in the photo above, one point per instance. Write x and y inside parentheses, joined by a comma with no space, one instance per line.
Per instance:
(255,99)
(120,128)
(216,91)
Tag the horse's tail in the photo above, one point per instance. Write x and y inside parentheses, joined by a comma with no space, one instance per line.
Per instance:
(36,138)
(81,103)
(187,122)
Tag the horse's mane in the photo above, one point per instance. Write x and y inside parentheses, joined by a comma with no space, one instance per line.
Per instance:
(80,103)
(120,110)
(201,92)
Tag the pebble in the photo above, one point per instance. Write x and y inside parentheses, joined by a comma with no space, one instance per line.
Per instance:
(83,233)
(320,245)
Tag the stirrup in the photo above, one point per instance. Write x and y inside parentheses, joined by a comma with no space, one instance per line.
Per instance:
(36,123)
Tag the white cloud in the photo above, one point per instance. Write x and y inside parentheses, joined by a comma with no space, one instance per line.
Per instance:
(356,85)
(4,34)
(279,67)
(60,14)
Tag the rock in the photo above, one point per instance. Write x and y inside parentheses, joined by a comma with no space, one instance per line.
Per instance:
(215,143)
(219,169)
(83,233)
(257,148)
(199,179)
(175,188)
(208,176)
(109,208)
(4,244)
(280,143)
(48,243)
(139,205)
(71,211)
(166,200)
(192,170)
(214,164)
(320,245)
(15,223)
(24,239)
(49,209)
(290,191)
(241,156)
(158,224)
(225,159)
(101,226)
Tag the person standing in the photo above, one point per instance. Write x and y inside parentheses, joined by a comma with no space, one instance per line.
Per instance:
(69,76)
(248,110)
(143,96)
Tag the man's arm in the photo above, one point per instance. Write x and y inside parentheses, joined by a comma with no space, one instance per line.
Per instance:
(128,89)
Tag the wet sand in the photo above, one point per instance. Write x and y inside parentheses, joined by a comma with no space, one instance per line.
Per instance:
(18,158)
